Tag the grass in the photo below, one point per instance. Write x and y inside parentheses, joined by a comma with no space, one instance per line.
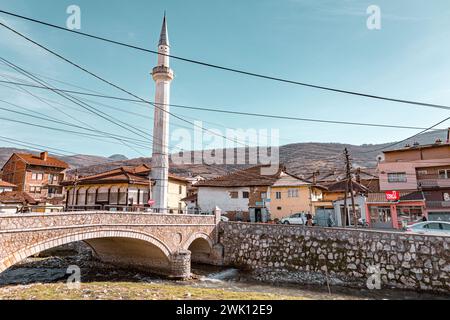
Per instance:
(129,291)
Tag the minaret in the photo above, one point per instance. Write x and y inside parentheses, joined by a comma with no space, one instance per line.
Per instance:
(162,75)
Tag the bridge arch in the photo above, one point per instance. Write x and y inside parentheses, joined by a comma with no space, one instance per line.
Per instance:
(201,247)
(153,252)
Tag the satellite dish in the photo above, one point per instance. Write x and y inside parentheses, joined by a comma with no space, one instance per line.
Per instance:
(380,157)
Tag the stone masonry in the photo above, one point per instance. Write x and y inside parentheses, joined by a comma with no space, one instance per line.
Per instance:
(159,242)
(338,256)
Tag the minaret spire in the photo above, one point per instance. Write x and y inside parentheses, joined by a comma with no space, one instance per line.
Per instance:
(164,37)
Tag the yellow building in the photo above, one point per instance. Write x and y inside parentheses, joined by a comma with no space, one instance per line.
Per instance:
(290,194)
(122,189)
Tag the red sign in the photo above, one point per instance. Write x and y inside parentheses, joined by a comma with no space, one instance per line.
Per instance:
(392,195)
(151,202)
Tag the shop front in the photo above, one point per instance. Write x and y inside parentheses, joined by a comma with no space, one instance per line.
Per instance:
(394,214)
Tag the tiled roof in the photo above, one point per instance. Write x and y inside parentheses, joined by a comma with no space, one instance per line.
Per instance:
(5,184)
(340,186)
(17,197)
(243,178)
(128,174)
(192,197)
(380,197)
(37,161)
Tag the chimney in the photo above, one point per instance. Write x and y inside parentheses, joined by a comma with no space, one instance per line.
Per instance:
(44,155)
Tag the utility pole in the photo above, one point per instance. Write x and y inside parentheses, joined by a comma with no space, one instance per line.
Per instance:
(74,195)
(349,186)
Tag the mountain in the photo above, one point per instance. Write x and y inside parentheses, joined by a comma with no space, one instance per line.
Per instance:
(299,158)
(117,157)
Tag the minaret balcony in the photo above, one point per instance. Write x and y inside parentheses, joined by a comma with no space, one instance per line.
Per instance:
(162,73)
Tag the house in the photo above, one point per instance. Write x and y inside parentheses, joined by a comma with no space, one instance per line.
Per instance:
(6,186)
(347,219)
(336,191)
(122,189)
(191,203)
(418,177)
(38,175)
(248,195)
(16,202)
(241,195)
(290,194)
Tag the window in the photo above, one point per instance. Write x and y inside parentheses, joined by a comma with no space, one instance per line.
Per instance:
(444,174)
(180,189)
(37,176)
(433,226)
(422,172)
(445,226)
(263,195)
(292,193)
(278,196)
(234,194)
(35,190)
(397,177)
(245,195)
(278,208)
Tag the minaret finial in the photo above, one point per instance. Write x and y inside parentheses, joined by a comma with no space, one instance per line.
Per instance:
(164,38)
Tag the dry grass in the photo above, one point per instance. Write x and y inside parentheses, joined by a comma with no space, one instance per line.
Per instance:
(129,291)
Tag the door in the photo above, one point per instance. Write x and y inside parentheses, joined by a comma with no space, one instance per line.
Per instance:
(252,214)
(258,215)
(381,217)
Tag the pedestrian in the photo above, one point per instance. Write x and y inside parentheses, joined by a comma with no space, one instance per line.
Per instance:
(309,220)
(424,218)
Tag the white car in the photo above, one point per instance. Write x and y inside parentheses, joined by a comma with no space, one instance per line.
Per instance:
(297,218)
(430,227)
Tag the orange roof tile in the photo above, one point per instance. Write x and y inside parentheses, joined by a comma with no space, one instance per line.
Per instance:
(5,184)
(37,161)
(17,197)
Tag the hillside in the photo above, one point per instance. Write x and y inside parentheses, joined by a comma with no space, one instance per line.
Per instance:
(299,158)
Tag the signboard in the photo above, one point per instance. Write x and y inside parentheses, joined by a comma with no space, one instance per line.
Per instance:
(392,195)
(259,203)
(151,202)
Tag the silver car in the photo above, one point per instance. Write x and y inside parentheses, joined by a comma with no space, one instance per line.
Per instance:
(297,218)
(430,227)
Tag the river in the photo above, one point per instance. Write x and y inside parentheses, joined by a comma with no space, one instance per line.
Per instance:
(50,270)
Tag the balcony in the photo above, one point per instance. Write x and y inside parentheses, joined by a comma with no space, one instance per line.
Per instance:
(434,183)
(55,195)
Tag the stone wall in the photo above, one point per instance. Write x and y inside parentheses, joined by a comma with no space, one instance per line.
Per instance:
(338,256)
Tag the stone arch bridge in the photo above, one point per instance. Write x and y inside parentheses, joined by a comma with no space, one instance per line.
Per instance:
(161,243)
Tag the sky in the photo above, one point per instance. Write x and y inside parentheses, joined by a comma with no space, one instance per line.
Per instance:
(325,43)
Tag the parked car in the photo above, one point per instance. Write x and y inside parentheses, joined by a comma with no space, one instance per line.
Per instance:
(296,218)
(430,227)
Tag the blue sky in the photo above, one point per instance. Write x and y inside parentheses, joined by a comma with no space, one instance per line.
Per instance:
(321,42)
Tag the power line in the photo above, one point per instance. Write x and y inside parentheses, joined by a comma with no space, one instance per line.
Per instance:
(79,103)
(228,111)
(206,64)
(31,146)
(108,82)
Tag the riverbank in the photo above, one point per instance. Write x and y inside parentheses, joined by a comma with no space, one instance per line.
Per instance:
(129,291)
(44,278)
